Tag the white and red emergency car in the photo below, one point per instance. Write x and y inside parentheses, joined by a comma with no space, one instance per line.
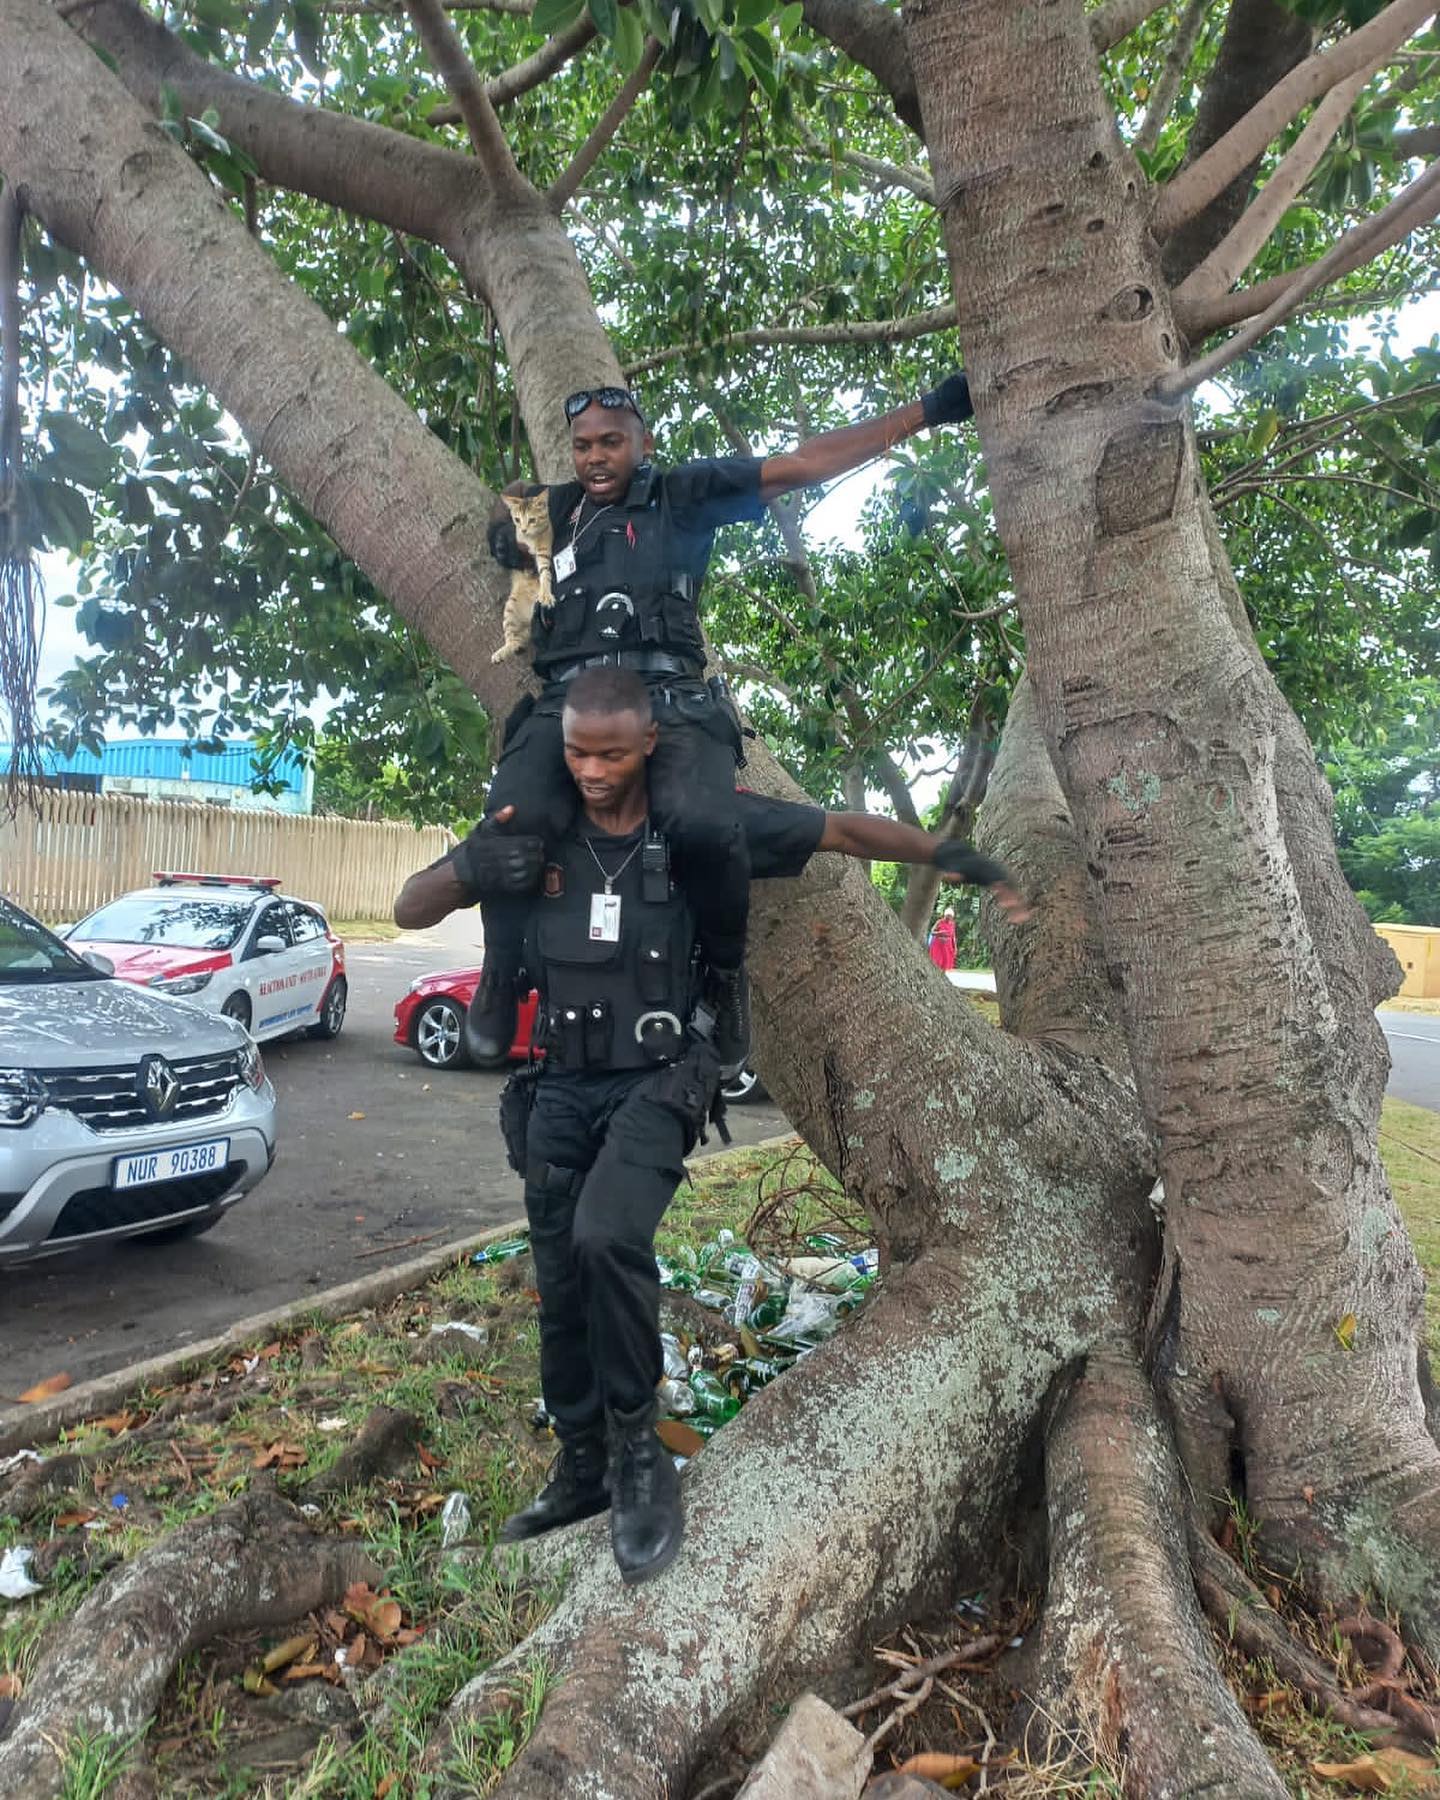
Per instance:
(230,943)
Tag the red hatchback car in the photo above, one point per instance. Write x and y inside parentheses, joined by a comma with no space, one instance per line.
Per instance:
(430,1020)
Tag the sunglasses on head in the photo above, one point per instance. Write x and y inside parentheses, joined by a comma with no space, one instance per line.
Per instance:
(613,398)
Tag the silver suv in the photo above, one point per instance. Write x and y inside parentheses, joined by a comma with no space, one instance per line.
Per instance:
(122,1113)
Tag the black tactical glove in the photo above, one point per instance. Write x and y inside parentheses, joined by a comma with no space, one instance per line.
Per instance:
(955,858)
(504,546)
(949,403)
(493,862)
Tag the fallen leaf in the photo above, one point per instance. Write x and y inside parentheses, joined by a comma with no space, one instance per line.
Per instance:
(115,1423)
(377,1612)
(750,1342)
(304,1671)
(255,1681)
(1381,1772)
(936,1765)
(69,1519)
(46,1389)
(357,1115)
(296,1649)
(1307,1493)
(279,1455)
(429,1460)
(384,1785)
(1273,1700)
(10,1687)
(678,1438)
(353,1329)
(1345,1332)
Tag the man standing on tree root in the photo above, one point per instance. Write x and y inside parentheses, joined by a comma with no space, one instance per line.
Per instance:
(631,548)
(602,1128)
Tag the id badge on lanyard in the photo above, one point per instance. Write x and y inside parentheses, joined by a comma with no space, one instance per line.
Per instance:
(605,918)
(563,563)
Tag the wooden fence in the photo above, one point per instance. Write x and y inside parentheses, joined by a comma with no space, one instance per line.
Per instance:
(83,849)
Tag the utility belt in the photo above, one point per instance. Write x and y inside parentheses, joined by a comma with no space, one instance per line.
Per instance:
(585,1037)
(643,662)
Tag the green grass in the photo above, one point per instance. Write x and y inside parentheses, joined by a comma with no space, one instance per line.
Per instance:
(365,931)
(1410,1147)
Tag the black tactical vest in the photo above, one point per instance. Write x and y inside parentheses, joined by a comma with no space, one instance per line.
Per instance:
(635,586)
(612,1005)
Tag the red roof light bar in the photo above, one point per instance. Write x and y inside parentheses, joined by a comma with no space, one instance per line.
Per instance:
(178,878)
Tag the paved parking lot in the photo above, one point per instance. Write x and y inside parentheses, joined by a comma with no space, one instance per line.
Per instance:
(424,1164)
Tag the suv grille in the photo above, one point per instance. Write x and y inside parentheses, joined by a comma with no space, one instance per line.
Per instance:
(109,1099)
(103,1208)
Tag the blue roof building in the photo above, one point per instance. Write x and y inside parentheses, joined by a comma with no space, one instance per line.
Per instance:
(180,769)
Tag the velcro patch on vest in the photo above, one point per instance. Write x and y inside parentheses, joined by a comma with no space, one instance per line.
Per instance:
(552,882)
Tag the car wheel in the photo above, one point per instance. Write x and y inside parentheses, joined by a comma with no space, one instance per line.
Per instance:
(439,1035)
(332,1010)
(744,1085)
(237,1007)
(187,1228)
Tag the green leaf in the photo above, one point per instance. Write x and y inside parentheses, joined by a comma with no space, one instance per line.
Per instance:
(790,20)
(629,39)
(1263,432)
(1431,434)
(606,14)
(308,31)
(78,453)
(63,515)
(551,16)
(260,32)
(208,136)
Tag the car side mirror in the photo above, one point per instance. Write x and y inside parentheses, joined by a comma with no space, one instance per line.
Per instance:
(96,961)
(269,945)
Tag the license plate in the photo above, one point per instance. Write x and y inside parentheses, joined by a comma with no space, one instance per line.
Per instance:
(173,1164)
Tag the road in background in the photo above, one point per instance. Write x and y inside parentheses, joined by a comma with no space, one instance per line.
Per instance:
(1414,1040)
(379,1157)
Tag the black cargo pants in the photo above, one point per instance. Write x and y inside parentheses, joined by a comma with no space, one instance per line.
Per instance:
(692,800)
(604,1156)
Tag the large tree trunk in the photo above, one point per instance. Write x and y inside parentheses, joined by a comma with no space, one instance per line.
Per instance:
(1291,1287)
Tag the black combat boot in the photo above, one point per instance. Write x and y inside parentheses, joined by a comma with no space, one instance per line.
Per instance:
(646,1524)
(490,1018)
(576,1489)
(730,994)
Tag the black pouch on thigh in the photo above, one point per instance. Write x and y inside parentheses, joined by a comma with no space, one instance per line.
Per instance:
(688,1089)
(517,1102)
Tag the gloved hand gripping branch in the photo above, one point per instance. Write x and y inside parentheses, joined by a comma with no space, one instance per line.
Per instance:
(967,864)
(949,403)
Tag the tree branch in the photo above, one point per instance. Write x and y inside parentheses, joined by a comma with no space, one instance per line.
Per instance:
(1116,19)
(564,188)
(873,36)
(367,170)
(1235,252)
(901,175)
(522,8)
(862,331)
(1381,231)
(1423,141)
(528,73)
(1198,184)
(1412,206)
(447,53)
(1177,61)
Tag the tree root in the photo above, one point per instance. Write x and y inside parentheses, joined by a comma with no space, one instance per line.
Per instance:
(849,1493)
(386,1439)
(1244,1617)
(1124,1648)
(251,1565)
(37,1481)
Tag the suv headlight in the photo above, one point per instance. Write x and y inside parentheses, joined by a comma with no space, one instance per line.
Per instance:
(180,984)
(22,1096)
(252,1067)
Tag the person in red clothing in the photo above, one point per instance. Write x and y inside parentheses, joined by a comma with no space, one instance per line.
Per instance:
(942,940)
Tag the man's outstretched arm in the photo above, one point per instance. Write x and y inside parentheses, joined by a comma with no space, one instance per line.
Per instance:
(875,839)
(484,863)
(837,452)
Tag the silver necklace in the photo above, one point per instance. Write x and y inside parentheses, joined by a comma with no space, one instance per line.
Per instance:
(606,875)
(578,530)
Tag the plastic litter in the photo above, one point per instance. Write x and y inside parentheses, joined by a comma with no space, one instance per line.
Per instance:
(454,1520)
(675,1396)
(15,1580)
(18,1461)
(477,1332)
(676,1365)
(503,1251)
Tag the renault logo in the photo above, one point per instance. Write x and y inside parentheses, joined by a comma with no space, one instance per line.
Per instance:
(159,1088)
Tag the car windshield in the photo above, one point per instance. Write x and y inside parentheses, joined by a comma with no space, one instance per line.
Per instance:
(183,922)
(28,952)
